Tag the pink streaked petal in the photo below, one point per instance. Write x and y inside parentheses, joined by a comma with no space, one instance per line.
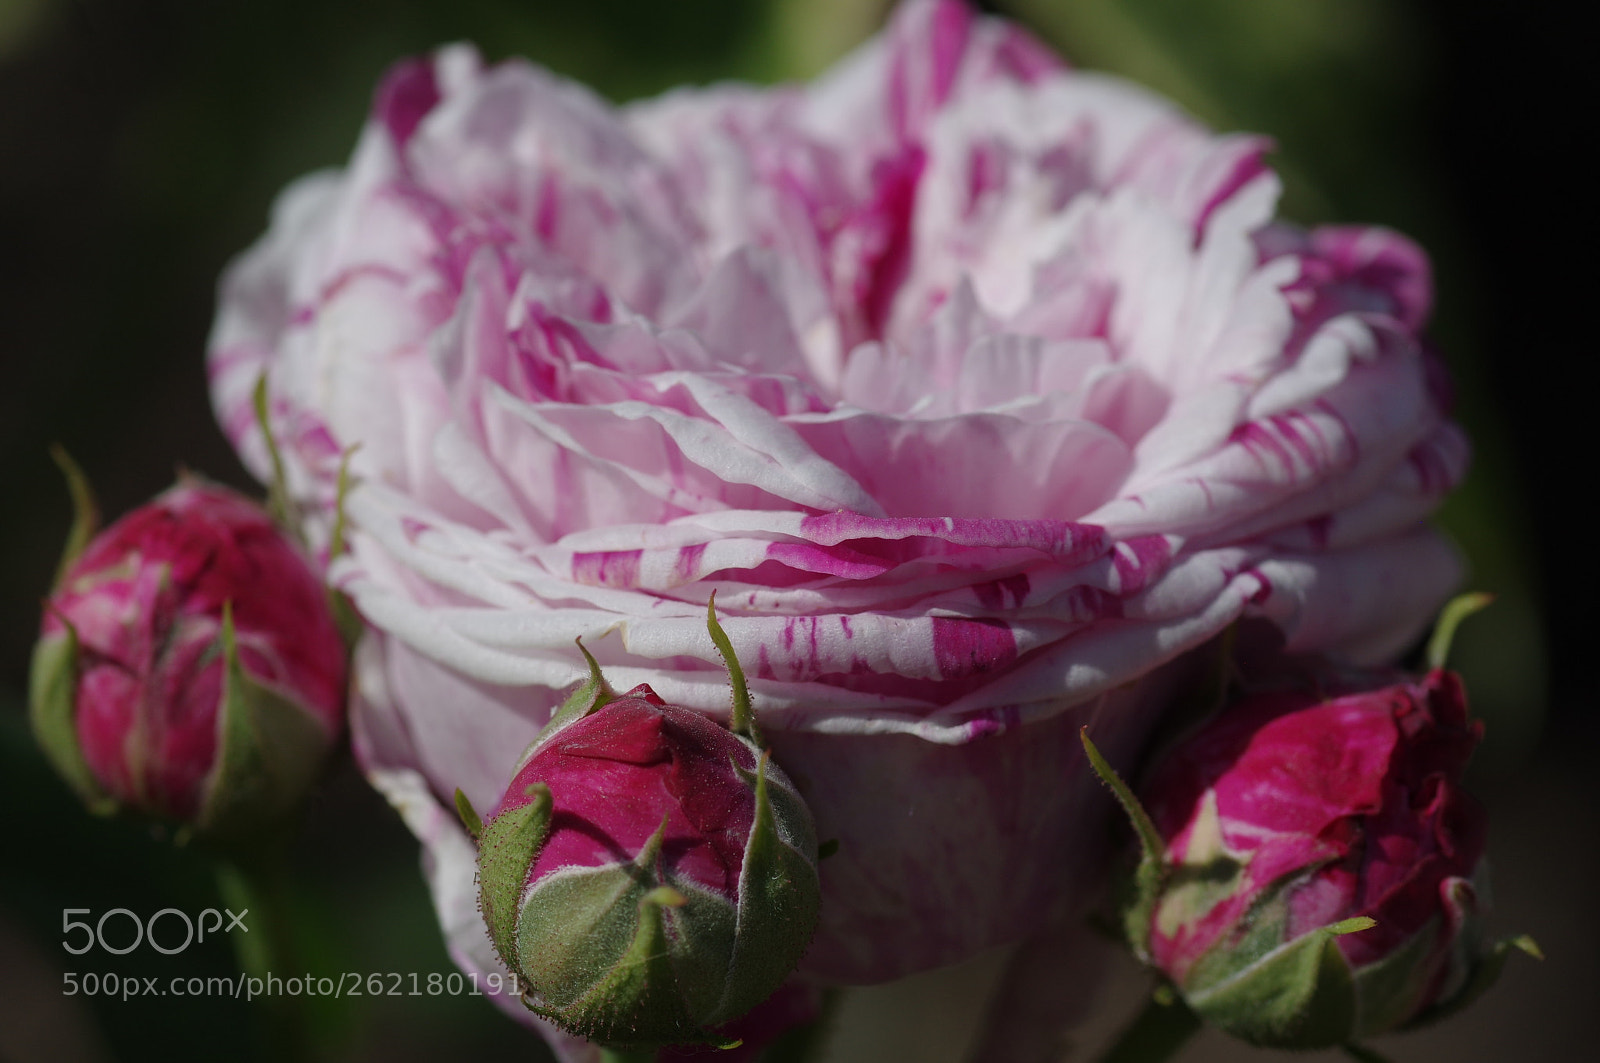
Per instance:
(1330,600)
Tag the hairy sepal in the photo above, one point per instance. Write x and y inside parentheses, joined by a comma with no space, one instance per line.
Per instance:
(780,898)
(507,848)
(53,714)
(269,750)
(1300,995)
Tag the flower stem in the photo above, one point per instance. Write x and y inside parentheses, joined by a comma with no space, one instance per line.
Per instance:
(265,951)
(1156,1035)
(623,1055)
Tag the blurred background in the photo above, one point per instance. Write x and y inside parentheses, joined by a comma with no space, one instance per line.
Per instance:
(142,141)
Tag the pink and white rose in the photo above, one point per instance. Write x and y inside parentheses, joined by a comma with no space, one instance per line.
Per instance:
(978,389)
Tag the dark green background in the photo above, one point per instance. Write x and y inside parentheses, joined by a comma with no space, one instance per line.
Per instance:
(141,142)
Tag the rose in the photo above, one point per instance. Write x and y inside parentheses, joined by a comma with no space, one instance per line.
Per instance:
(1314,871)
(979,390)
(189,667)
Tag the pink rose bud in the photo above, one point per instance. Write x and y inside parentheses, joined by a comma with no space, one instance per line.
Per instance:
(189,667)
(1320,874)
(651,874)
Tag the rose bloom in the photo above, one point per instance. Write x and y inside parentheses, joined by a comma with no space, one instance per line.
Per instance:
(979,391)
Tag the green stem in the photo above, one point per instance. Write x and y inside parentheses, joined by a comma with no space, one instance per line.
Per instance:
(266,947)
(1156,1035)
(804,1043)
(625,1055)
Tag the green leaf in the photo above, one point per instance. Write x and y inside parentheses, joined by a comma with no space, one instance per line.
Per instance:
(507,847)
(85,512)
(1450,617)
(1299,995)
(469,815)
(53,712)
(269,750)
(742,720)
(780,900)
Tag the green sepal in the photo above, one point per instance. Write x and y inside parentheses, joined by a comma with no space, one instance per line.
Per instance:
(592,694)
(1151,872)
(337,544)
(603,958)
(1485,973)
(345,616)
(573,926)
(280,503)
(469,815)
(636,1002)
(703,932)
(1389,990)
(790,814)
(780,900)
(85,512)
(1444,631)
(1300,995)
(346,619)
(507,848)
(827,849)
(269,750)
(53,712)
(742,719)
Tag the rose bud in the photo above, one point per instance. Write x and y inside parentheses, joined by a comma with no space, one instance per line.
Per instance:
(189,667)
(1314,871)
(651,875)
